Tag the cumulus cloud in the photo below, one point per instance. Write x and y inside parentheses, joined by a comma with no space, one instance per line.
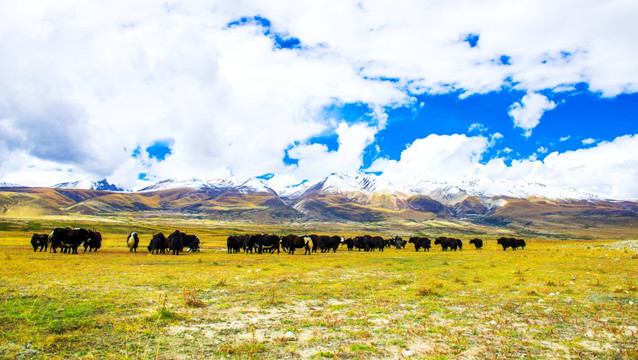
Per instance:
(436,157)
(581,169)
(588,141)
(527,113)
(453,157)
(316,160)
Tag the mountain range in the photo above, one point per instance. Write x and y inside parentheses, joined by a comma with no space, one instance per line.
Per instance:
(338,198)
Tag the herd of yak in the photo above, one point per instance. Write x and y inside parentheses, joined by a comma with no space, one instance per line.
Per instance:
(311,243)
(68,240)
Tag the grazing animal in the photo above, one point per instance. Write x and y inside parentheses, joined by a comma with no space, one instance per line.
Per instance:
(234,243)
(446,243)
(191,242)
(249,244)
(421,242)
(94,241)
(349,244)
(268,242)
(40,241)
(397,242)
(157,244)
(326,243)
(67,239)
(132,242)
(175,242)
(377,242)
(511,242)
(359,242)
(315,239)
(291,242)
(478,243)
(369,243)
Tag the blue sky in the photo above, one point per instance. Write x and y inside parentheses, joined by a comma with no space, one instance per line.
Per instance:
(579,116)
(411,91)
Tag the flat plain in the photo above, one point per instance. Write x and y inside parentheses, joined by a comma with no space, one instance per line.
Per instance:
(557,298)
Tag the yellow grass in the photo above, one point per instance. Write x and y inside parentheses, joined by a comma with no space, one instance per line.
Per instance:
(555,299)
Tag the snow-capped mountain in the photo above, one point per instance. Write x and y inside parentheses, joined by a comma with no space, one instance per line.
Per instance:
(445,192)
(168,184)
(87,184)
(295,191)
(345,184)
(8,185)
(483,187)
(352,198)
(252,185)
(363,185)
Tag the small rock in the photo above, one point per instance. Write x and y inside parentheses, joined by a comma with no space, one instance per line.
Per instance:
(492,322)
(631,302)
(589,334)
(290,336)
(540,300)
(552,294)
(407,353)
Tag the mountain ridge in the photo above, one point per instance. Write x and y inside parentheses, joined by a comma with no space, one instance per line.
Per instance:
(449,193)
(253,201)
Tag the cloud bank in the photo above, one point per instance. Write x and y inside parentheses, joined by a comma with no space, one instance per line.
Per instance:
(450,158)
(232,88)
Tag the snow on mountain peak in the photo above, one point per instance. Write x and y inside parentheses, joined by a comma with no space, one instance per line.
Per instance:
(254,185)
(8,185)
(338,183)
(168,184)
(86,184)
(251,185)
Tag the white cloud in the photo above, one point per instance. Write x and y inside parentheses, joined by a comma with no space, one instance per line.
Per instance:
(494,138)
(85,85)
(477,127)
(588,141)
(316,161)
(528,112)
(582,169)
(434,157)
(565,138)
(452,157)
(542,150)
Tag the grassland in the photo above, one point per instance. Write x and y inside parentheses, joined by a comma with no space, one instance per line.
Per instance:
(555,299)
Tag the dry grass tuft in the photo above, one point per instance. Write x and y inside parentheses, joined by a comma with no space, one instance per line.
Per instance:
(424,291)
(191,298)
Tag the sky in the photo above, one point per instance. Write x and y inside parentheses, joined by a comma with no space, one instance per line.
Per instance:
(290,91)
